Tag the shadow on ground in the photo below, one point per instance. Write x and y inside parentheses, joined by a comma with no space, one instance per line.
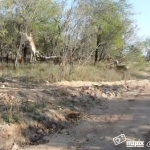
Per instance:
(94,121)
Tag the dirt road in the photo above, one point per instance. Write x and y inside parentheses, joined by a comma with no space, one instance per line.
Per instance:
(106,113)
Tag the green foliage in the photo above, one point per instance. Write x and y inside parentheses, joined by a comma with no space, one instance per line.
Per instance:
(110,22)
(71,31)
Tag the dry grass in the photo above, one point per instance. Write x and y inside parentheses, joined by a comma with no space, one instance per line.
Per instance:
(53,73)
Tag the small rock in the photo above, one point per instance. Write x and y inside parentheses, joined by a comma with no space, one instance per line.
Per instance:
(131,100)
(15,147)
(73,115)
(40,131)
(104,95)
(87,140)
(47,83)
(2,86)
(54,126)
(36,137)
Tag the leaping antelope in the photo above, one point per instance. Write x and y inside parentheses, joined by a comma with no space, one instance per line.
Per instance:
(34,51)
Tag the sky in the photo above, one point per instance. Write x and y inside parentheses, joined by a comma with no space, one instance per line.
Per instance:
(142,7)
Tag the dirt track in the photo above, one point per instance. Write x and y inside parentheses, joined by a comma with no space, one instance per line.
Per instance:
(107,110)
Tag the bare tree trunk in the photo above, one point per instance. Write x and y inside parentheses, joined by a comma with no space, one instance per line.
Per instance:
(16,61)
(96,56)
(1,53)
(25,54)
(7,59)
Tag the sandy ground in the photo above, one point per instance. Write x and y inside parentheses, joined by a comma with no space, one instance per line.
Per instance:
(117,108)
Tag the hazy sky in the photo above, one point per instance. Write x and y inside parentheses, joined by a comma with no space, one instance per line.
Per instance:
(142,19)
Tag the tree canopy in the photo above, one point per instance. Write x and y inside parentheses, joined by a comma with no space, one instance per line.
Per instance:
(75,30)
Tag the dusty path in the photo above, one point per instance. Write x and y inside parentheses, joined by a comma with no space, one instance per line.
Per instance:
(107,110)
(128,114)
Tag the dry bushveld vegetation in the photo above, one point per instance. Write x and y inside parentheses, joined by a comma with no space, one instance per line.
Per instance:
(41,72)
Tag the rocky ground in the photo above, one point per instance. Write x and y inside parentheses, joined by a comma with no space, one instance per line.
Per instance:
(73,115)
